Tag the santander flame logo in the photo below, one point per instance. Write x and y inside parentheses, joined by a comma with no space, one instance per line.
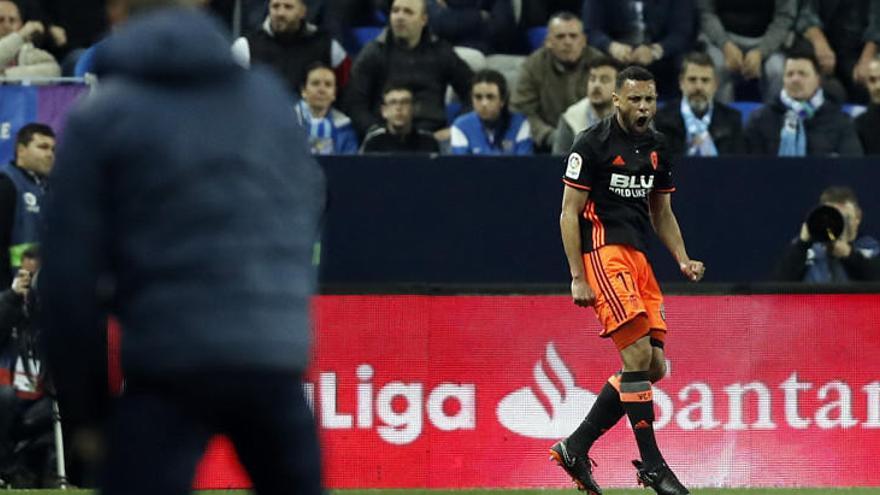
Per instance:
(552,409)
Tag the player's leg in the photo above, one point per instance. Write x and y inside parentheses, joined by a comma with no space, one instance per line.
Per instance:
(274,434)
(618,310)
(154,443)
(653,470)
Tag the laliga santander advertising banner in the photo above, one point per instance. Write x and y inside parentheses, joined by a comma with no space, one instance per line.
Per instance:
(470,391)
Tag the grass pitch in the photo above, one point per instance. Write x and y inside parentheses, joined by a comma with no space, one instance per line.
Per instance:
(704,491)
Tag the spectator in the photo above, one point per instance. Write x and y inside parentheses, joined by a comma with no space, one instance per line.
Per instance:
(872,43)
(289,44)
(54,39)
(849,257)
(407,51)
(19,58)
(330,131)
(800,122)
(491,129)
(868,123)
(22,187)
(838,32)
(744,39)
(696,124)
(554,77)
(590,109)
(399,135)
(487,26)
(652,33)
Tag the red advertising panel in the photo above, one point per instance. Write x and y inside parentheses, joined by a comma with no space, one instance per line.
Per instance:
(470,391)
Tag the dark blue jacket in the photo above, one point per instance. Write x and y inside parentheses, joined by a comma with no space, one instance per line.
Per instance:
(671,23)
(186,203)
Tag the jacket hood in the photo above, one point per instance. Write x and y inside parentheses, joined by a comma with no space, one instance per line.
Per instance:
(172,43)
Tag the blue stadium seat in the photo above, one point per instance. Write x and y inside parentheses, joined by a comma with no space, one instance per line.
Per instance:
(362,35)
(854,110)
(453,108)
(746,108)
(536,36)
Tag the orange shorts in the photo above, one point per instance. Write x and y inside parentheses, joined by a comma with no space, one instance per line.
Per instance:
(625,288)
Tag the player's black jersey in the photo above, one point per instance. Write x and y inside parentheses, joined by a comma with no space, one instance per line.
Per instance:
(619,170)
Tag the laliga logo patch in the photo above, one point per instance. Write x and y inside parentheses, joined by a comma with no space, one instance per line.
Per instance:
(573,171)
(30,199)
(655,160)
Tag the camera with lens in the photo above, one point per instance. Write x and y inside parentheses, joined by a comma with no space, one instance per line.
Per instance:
(825,224)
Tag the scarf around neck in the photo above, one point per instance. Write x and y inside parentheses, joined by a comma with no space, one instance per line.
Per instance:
(699,142)
(793,136)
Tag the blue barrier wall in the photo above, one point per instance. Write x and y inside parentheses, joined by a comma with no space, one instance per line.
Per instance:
(494,221)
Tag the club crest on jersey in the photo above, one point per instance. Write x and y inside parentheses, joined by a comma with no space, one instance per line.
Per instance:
(655,160)
(575,162)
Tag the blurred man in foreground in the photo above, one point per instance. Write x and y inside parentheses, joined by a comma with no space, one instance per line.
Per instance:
(185,203)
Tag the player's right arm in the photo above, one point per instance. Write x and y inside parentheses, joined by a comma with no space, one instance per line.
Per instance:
(573,203)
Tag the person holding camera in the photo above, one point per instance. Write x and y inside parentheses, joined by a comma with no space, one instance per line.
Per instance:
(26,441)
(829,248)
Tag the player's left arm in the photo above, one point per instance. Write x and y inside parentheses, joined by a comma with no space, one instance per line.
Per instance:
(666,225)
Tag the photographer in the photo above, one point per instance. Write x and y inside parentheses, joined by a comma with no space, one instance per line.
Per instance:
(836,258)
(26,441)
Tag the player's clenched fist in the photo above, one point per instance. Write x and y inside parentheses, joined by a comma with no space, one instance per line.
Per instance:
(581,293)
(693,270)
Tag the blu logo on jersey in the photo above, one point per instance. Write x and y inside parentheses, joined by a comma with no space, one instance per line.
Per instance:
(631,186)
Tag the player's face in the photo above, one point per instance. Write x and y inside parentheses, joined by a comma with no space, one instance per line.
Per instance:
(800,79)
(486,99)
(10,18)
(320,89)
(600,85)
(873,81)
(38,156)
(698,86)
(397,109)
(285,16)
(566,40)
(408,19)
(636,103)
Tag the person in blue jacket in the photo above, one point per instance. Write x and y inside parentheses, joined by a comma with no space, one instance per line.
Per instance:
(185,203)
(491,128)
(330,131)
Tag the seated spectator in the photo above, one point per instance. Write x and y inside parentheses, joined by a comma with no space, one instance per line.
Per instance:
(399,134)
(590,109)
(554,77)
(744,39)
(19,59)
(407,51)
(801,122)
(289,44)
(849,258)
(330,131)
(652,33)
(54,40)
(868,123)
(838,31)
(871,48)
(487,26)
(696,124)
(491,129)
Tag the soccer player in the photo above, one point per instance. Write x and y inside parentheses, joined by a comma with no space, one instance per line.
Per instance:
(618,182)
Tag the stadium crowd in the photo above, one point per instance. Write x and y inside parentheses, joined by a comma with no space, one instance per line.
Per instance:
(787,77)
